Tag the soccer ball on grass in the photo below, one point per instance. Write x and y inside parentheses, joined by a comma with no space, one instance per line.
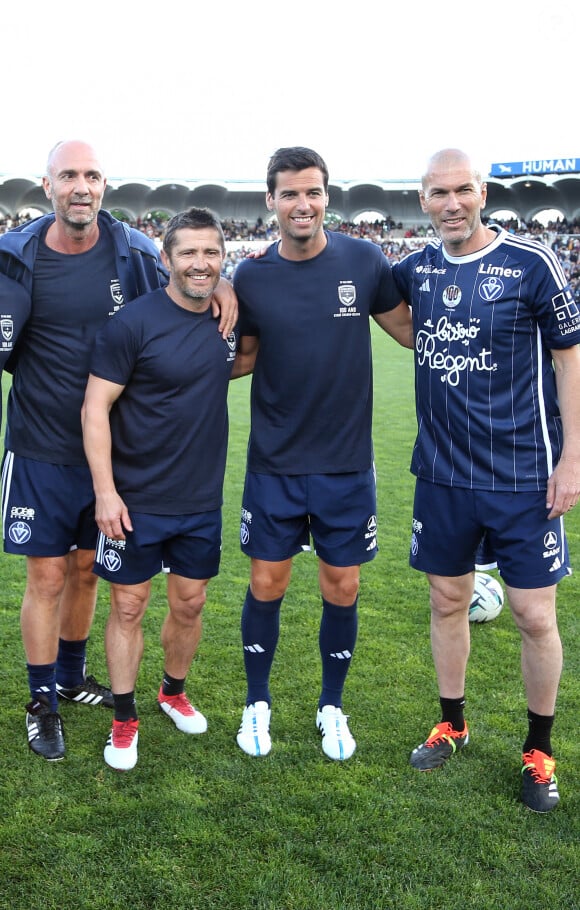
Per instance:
(487,601)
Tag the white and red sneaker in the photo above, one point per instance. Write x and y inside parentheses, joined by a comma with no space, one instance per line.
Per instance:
(182,712)
(121,749)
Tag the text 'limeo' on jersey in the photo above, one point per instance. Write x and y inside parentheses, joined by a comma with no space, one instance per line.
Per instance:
(484,325)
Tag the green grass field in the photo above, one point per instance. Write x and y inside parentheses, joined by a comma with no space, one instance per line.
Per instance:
(199,825)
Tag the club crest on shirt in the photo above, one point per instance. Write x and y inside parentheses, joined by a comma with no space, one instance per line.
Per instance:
(347,294)
(7,328)
(116,292)
(491,288)
(347,299)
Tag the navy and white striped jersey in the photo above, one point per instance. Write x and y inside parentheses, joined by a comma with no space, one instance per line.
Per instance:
(484,326)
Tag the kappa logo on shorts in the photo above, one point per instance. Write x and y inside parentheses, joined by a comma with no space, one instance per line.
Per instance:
(19,532)
(112,561)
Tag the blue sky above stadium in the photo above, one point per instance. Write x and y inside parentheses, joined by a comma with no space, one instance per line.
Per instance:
(184,90)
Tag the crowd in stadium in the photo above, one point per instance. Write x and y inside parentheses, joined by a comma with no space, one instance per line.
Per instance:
(562,236)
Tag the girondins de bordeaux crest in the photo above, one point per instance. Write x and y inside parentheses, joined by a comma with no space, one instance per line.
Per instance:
(7,329)
(347,294)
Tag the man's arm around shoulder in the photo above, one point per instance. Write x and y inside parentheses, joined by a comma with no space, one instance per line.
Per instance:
(398,323)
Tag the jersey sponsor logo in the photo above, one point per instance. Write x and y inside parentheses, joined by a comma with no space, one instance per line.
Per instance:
(429,270)
(499,271)
(566,312)
(347,300)
(491,289)
(19,532)
(425,286)
(22,513)
(112,560)
(7,327)
(432,345)
(452,296)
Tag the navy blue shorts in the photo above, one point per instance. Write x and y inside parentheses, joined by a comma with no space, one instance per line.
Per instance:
(280,513)
(47,509)
(187,545)
(450,522)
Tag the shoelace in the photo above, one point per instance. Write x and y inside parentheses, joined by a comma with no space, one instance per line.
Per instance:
(52,723)
(123,733)
(440,733)
(540,775)
(180,703)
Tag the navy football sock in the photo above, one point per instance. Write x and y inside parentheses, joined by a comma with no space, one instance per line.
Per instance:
(42,683)
(71,662)
(260,630)
(337,638)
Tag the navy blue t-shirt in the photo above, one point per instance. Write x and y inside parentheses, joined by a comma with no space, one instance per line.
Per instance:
(72,296)
(484,326)
(169,426)
(312,396)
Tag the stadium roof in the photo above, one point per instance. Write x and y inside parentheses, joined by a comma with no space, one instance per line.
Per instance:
(526,196)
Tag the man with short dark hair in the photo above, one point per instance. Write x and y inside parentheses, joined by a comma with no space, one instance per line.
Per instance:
(304,314)
(155,427)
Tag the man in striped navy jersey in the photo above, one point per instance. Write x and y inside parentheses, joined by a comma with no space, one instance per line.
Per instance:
(497,374)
